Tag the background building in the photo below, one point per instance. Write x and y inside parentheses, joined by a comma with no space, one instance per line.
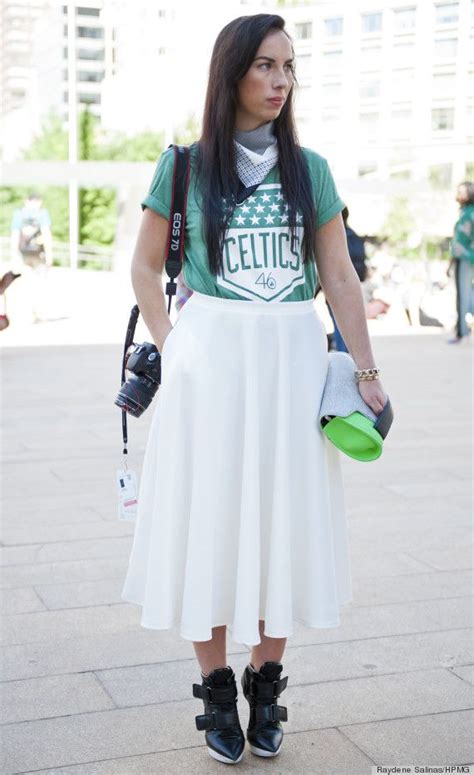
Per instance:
(387,88)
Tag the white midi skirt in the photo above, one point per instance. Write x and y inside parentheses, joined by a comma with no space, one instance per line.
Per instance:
(240,505)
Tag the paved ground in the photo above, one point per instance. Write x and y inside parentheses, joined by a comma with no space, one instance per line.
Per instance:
(88,691)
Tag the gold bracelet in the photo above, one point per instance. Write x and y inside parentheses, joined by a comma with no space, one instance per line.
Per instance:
(365,375)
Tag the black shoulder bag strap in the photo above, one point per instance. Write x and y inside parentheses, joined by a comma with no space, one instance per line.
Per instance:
(174,252)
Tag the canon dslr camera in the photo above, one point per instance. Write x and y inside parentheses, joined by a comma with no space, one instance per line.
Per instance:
(136,393)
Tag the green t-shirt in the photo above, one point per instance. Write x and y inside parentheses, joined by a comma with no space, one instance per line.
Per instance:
(462,244)
(260,260)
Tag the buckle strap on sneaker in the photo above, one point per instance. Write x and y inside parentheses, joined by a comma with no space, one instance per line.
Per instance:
(267,690)
(215,693)
(217,719)
(271,712)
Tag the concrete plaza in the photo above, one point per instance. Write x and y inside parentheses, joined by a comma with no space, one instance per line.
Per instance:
(88,691)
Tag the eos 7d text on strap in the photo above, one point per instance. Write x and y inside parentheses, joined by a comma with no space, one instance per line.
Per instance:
(176,225)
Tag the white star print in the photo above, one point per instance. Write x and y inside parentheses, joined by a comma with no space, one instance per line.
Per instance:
(274,207)
(240,220)
(255,220)
(269,219)
(259,209)
(266,198)
(299,218)
(245,209)
(252,198)
(279,196)
(284,218)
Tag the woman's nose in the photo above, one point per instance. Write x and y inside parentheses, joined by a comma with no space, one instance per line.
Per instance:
(281,80)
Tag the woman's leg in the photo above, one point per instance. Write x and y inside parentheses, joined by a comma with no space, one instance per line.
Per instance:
(269,650)
(212,653)
(464,284)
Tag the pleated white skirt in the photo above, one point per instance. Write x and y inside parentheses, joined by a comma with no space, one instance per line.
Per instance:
(241,506)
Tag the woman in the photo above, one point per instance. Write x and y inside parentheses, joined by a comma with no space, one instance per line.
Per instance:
(462,260)
(241,517)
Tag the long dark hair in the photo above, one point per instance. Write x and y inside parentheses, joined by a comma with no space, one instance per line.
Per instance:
(233,53)
(469,190)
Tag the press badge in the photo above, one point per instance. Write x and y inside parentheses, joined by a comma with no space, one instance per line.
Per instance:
(127,495)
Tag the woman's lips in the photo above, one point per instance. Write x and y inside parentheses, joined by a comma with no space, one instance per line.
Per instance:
(276,101)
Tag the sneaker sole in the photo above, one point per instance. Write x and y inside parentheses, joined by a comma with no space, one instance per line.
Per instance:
(221,758)
(262,752)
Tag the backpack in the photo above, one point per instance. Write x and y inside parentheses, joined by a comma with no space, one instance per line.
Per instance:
(355,245)
(31,242)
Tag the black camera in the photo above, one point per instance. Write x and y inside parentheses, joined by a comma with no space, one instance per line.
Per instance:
(136,393)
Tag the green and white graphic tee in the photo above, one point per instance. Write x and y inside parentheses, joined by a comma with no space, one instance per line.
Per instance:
(261,262)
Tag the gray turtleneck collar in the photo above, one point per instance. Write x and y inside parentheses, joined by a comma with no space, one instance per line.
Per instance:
(257,140)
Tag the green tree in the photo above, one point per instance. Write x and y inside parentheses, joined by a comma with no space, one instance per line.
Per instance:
(188,132)
(399,224)
(97,206)
(52,143)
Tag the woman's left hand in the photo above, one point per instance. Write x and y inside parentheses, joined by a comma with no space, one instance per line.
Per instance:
(373,394)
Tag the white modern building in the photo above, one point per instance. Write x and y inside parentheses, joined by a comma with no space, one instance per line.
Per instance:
(387,88)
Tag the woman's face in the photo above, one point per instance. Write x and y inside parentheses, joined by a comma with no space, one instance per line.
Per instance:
(263,90)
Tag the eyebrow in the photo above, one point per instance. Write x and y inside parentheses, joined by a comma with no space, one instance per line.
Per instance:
(269,59)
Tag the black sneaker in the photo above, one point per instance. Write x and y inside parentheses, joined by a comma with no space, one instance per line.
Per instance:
(224,736)
(262,689)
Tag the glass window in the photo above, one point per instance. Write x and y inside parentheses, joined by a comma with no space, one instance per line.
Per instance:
(330,121)
(442,118)
(402,83)
(446,48)
(370,57)
(89,98)
(331,90)
(404,51)
(90,75)
(440,175)
(91,53)
(334,26)
(470,82)
(367,168)
(404,19)
(303,66)
(332,61)
(303,30)
(369,90)
(447,13)
(443,84)
(371,22)
(402,114)
(90,32)
(369,123)
(87,11)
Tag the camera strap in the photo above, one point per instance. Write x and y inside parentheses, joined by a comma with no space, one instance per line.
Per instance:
(176,224)
(174,253)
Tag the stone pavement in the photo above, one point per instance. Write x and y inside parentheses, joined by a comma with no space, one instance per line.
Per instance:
(87,690)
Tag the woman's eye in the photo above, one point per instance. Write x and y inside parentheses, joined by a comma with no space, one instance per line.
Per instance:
(265,65)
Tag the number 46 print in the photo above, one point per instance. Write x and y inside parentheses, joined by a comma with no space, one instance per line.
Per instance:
(266,282)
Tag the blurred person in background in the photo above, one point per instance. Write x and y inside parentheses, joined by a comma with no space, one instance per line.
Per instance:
(462,260)
(356,248)
(31,250)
